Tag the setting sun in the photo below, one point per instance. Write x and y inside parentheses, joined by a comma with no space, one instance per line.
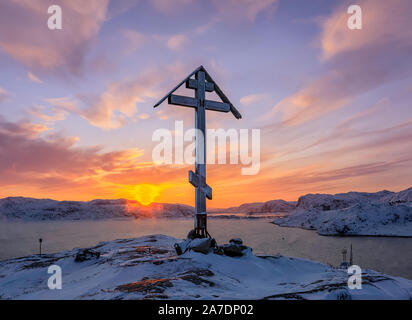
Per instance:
(144,193)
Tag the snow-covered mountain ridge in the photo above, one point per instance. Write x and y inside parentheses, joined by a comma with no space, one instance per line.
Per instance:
(19,208)
(383,213)
(271,206)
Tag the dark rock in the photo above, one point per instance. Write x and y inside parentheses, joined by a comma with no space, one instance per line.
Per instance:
(236,241)
(191,235)
(200,272)
(146,286)
(197,280)
(86,254)
(233,250)
(218,251)
(196,276)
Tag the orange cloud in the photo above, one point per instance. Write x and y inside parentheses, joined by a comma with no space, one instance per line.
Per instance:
(35,159)
(55,114)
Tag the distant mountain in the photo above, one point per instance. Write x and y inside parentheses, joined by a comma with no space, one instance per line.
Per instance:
(361,213)
(19,208)
(383,213)
(272,206)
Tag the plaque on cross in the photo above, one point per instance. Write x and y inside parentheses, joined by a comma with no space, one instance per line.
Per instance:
(201,83)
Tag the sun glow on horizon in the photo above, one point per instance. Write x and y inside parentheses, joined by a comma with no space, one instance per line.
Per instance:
(144,193)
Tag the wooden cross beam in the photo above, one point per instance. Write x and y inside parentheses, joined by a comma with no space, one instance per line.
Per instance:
(192,102)
(202,83)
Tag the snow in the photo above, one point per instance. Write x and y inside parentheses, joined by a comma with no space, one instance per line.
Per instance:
(147,268)
(383,213)
(272,206)
(19,208)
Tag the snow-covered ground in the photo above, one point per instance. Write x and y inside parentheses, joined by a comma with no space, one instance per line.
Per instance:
(383,213)
(147,268)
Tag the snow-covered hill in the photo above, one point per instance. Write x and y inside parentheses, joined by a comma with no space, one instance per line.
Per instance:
(147,268)
(272,206)
(19,208)
(383,213)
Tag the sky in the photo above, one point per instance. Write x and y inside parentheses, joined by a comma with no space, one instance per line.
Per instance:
(333,105)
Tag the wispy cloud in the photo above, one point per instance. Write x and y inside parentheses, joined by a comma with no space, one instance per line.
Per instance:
(54,114)
(33,78)
(176,42)
(254,98)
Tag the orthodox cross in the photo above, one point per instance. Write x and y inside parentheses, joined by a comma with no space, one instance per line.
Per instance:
(201,83)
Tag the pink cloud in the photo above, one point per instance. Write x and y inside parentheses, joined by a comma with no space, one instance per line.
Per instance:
(118,102)
(254,98)
(33,78)
(55,114)
(177,41)
(384,22)
(24,34)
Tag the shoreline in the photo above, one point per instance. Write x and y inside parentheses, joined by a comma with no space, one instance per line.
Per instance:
(343,235)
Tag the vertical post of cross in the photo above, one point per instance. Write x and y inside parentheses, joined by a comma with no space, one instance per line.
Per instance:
(200,124)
